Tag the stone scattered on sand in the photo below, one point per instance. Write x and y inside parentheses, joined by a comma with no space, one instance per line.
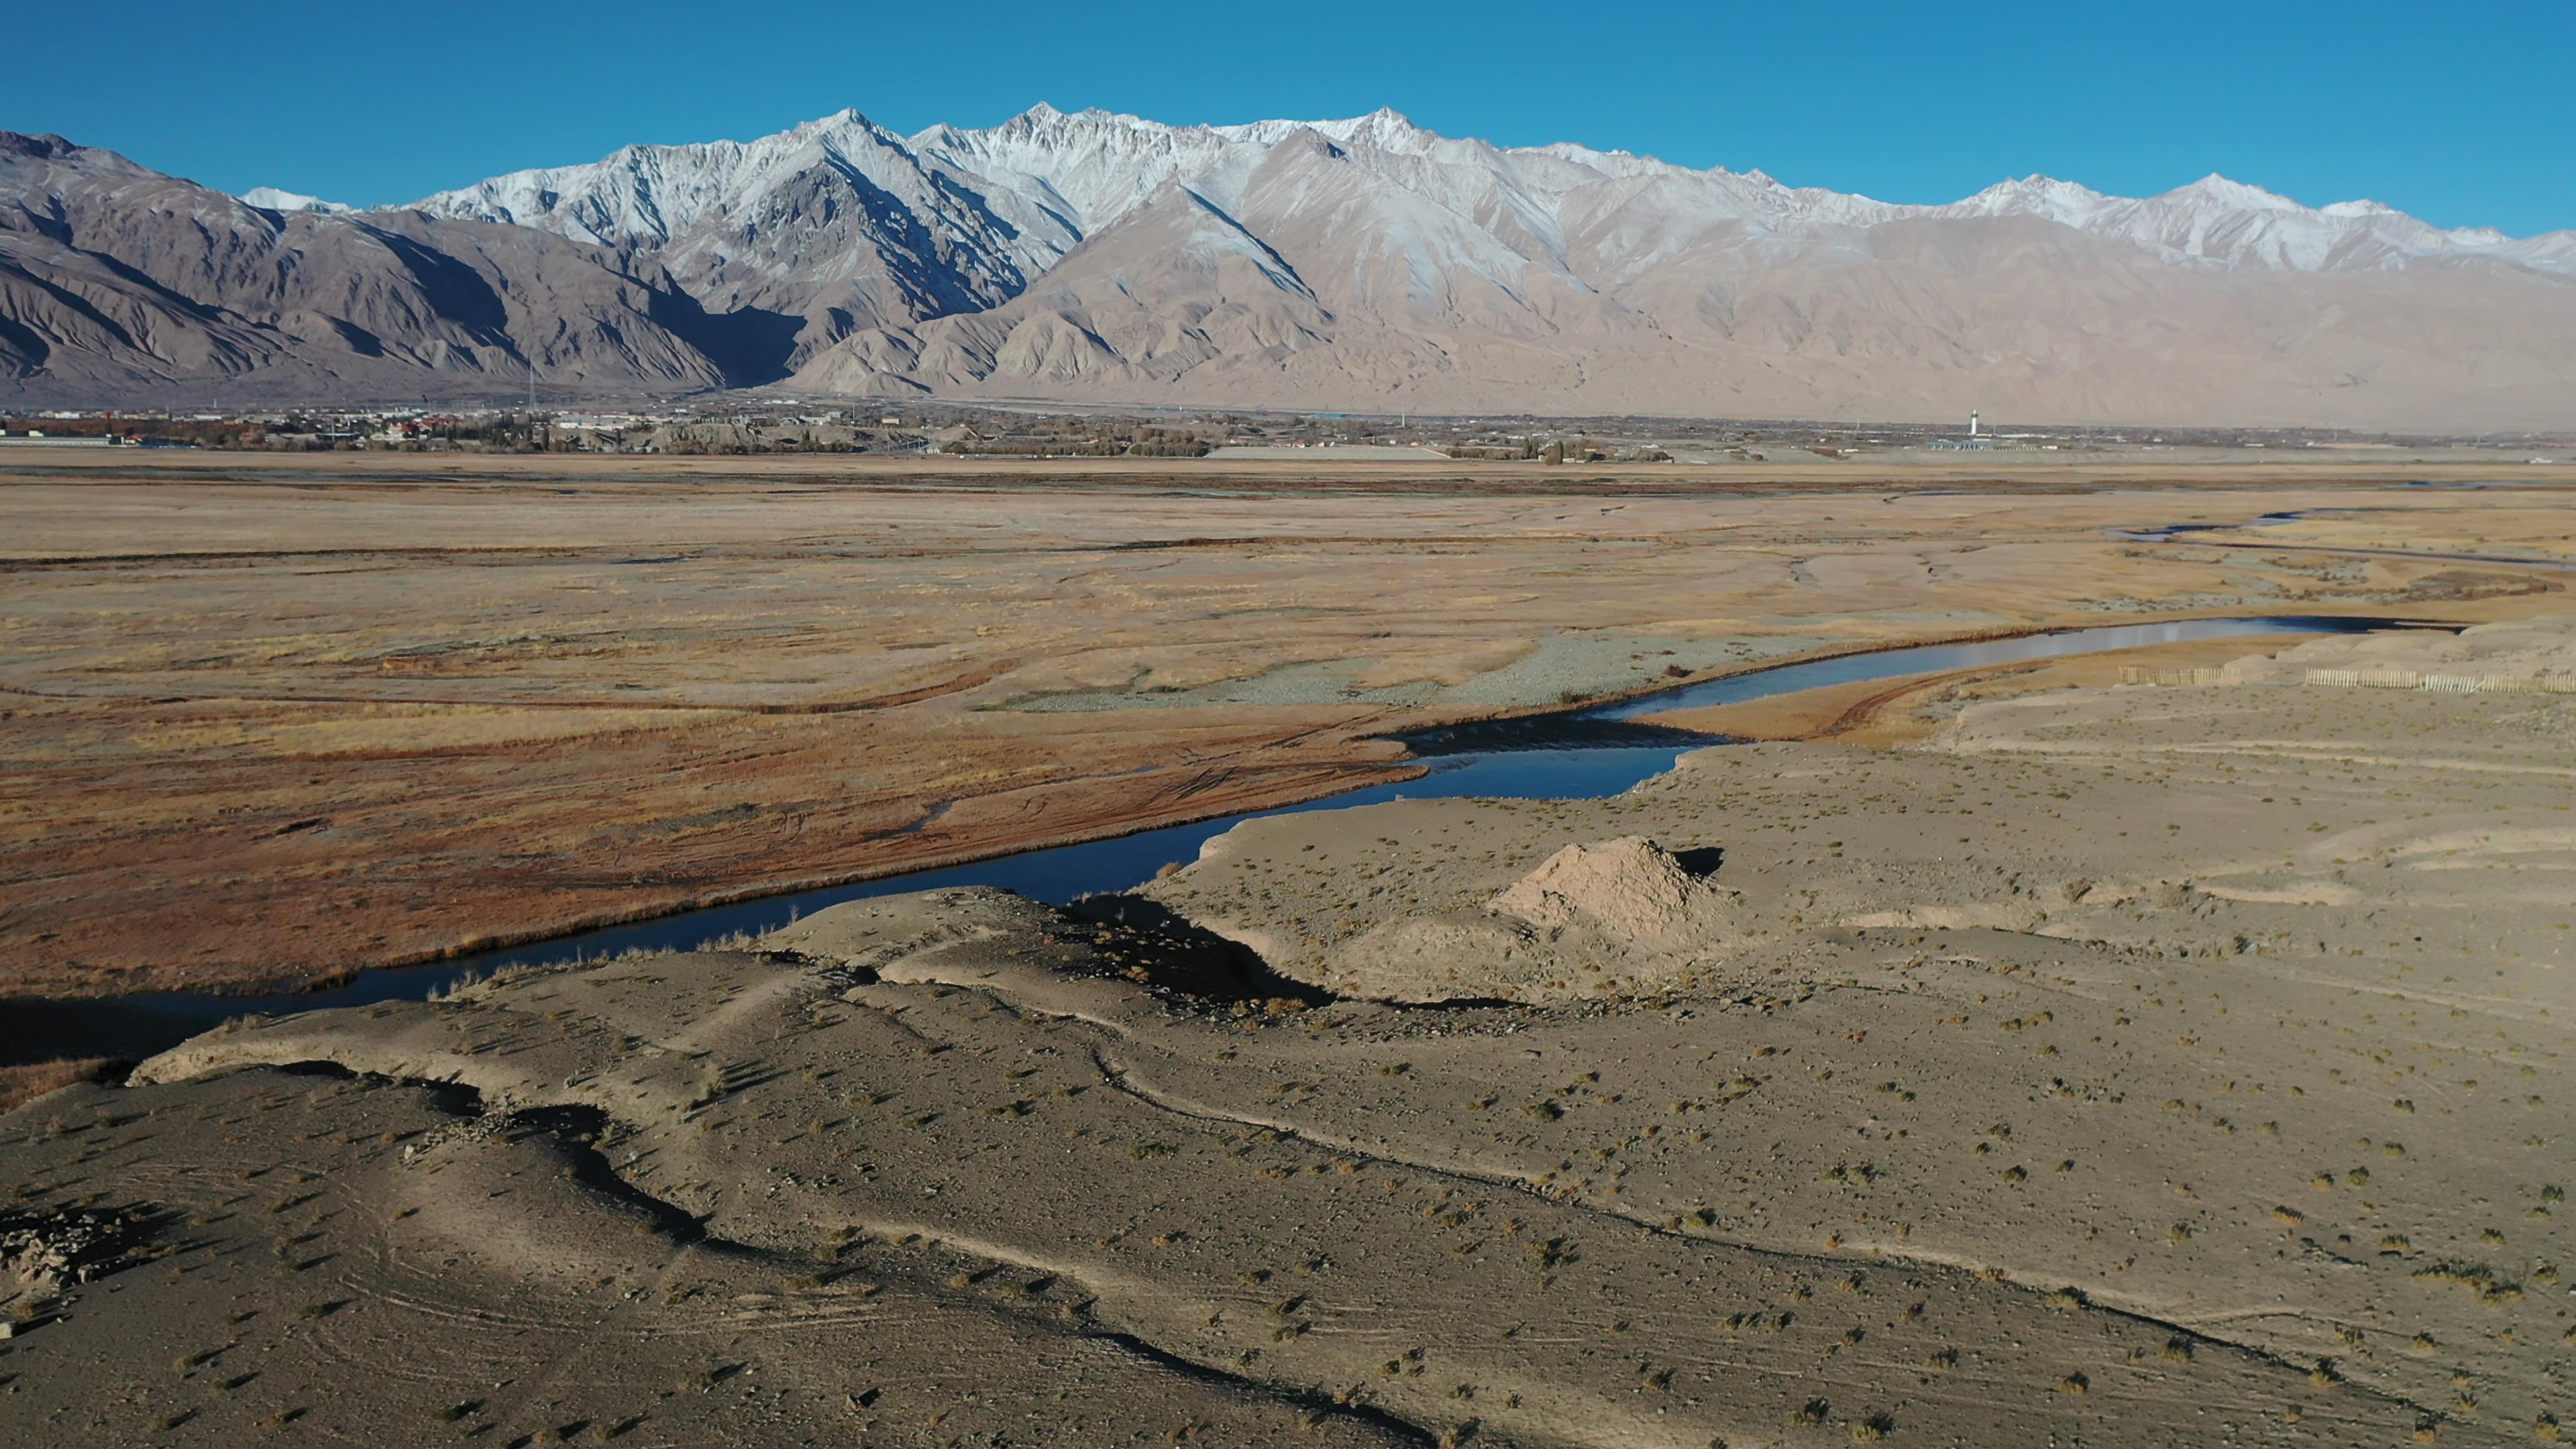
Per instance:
(44,1251)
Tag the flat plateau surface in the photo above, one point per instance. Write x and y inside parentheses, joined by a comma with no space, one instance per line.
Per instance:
(268,717)
(2106,1066)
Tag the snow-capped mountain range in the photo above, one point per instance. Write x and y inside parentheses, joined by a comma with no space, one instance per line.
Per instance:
(1056,178)
(1358,264)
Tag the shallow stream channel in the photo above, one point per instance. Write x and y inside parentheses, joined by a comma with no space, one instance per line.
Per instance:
(1584,752)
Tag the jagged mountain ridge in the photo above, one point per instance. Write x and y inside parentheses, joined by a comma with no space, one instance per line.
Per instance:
(1370,262)
(1061,177)
(1354,264)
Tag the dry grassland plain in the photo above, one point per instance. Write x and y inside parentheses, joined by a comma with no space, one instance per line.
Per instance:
(265,718)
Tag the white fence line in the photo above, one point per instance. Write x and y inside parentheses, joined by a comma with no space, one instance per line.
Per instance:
(2444,683)
(2134,674)
(2543,683)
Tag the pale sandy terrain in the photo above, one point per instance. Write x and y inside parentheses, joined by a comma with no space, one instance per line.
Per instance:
(2113,1065)
(268,716)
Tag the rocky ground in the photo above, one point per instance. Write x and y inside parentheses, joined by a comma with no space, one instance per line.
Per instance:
(2117,1065)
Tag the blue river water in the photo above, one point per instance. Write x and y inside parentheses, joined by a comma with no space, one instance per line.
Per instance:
(1586,752)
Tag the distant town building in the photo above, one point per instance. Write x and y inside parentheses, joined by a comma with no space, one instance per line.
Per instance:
(1976,439)
(35,437)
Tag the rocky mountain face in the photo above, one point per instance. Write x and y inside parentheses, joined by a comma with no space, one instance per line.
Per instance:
(119,284)
(1370,264)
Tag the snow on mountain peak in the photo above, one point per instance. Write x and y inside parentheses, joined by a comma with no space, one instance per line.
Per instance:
(1384,121)
(2218,190)
(269,198)
(2065,202)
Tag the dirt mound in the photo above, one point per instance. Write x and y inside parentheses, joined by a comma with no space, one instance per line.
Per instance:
(1621,917)
(1627,889)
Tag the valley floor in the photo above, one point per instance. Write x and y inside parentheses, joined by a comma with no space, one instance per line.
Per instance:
(2172,1064)
(274,717)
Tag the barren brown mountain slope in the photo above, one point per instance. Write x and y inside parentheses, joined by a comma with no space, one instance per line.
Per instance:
(1913,319)
(119,283)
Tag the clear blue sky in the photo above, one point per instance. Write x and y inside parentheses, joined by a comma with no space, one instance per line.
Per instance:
(2460,112)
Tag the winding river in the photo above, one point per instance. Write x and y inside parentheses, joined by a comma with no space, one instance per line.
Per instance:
(1580,753)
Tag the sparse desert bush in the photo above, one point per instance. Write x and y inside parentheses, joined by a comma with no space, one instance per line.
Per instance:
(2484,1280)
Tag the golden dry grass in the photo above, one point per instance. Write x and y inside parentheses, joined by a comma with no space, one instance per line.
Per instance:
(27,1081)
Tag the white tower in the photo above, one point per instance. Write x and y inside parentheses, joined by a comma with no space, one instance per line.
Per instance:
(1972,423)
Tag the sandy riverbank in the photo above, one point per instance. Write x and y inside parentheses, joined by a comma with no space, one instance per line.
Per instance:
(2135,1064)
